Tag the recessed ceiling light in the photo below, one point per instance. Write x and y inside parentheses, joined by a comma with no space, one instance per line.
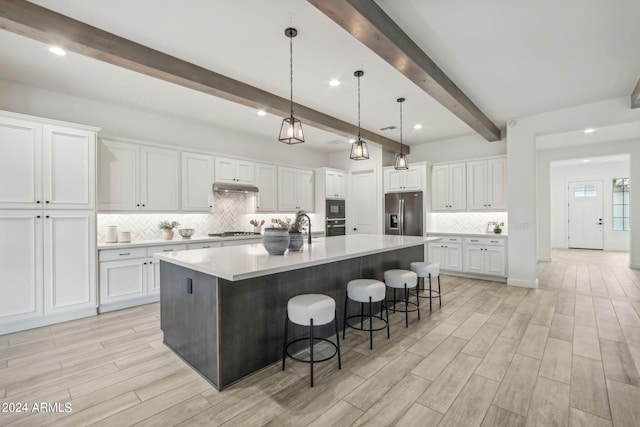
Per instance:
(418,126)
(589,130)
(57,51)
(334,82)
(586,160)
(262,113)
(351,141)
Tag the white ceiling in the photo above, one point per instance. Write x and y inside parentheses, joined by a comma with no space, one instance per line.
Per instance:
(511,58)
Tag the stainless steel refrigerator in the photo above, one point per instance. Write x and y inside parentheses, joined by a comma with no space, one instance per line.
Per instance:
(403,213)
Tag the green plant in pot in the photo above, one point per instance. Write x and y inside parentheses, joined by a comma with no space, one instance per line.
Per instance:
(167,229)
(276,237)
(295,231)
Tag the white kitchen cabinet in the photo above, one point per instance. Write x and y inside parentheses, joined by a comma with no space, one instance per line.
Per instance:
(449,187)
(197,182)
(487,184)
(234,171)
(135,177)
(267,183)
(405,179)
(335,184)
(447,253)
(204,245)
(295,189)
(47,267)
(484,256)
(46,166)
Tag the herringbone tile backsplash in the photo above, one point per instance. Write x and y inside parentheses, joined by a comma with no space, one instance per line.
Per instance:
(464,222)
(228,214)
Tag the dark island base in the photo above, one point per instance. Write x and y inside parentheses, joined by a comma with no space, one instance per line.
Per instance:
(227,330)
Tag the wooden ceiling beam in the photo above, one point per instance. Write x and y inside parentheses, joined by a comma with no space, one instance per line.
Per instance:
(38,23)
(368,23)
(635,96)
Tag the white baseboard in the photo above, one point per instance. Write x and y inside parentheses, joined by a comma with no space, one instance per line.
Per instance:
(23,325)
(523,283)
(104,308)
(473,276)
(634,266)
(545,259)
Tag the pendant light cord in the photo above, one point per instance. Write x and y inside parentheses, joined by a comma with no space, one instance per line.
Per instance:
(291,73)
(401,128)
(359,108)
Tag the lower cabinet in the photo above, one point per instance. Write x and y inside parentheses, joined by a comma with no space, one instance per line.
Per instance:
(474,255)
(447,254)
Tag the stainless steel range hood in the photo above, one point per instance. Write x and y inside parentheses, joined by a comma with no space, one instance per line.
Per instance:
(223,187)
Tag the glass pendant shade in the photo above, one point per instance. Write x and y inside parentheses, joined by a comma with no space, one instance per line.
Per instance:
(359,150)
(291,131)
(401,161)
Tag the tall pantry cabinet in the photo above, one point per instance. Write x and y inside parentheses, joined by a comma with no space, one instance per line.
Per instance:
(47,221)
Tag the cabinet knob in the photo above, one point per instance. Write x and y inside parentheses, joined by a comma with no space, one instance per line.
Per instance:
(138,205)
(38,201)
(47,216)
(144,263)
(38,216)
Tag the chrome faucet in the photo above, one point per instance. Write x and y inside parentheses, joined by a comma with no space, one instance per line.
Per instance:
(309,221)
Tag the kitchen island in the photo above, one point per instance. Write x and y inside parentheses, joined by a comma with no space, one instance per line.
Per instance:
(222,309)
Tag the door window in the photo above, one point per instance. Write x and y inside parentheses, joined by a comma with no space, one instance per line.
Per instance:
(621,211)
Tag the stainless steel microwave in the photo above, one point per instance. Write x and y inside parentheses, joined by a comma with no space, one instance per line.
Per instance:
(335,209)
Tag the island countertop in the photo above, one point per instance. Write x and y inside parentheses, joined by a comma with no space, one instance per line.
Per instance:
(252,260)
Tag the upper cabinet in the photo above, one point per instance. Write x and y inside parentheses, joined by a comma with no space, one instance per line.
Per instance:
(295,189)
(487,184)
(137,177)
(335,184)
(234,171)
(197,182)
(411,179)
(449,187)
(47,166)
(266,181)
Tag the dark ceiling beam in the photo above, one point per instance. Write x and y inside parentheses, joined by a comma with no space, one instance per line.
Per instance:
(368,23)
(635,96)
(38,23)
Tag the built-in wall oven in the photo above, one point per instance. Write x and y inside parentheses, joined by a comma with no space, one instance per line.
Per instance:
(336,218)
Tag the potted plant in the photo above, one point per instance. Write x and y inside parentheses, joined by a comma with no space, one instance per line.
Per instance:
(295,231)
(276,237)
(167,229)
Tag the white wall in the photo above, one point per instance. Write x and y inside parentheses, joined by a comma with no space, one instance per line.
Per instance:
(523,196)
(125,122)
(605,172)
(468,147)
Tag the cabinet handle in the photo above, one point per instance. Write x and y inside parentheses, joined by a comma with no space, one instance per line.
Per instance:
(138,205)
(206,247)
(125,254)
(167,250)
(47,202)
(493,241)
(47,216)
(150,262)
(38,201)
(38,216)
(144,263)
(473,240)
(144,206)
(189,286)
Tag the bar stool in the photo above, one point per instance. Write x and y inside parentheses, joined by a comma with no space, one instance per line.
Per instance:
(403,279)
(423,269)
(310,310)
(366,291)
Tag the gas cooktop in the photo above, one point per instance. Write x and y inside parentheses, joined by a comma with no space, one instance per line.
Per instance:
(234,234)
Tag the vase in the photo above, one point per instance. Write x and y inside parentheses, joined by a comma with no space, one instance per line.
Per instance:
(167,234)
(295,241)
(275,240)
(497,230)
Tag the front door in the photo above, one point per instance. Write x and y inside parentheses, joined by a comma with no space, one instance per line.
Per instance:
(585,215)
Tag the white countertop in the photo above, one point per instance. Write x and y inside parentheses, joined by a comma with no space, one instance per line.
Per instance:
(444,233)
(252,260)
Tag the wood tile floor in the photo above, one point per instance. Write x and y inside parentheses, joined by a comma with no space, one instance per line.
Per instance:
(567,353)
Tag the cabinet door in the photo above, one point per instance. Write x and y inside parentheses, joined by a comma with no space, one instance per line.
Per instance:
(245,172)
(497,183)
(153,276)
(69,157)
(453,257)
(494,263)
(266,181)
(457,186)
(477,185)
(412,179)
(394,180)
(122,280)
(440,187)
(69,261)
(20,265)
(305,190)
(473,259)
(159,179)
(225,170)
(287,197)
(197,180)
(20,164)
(330,184)
(119,184)
(340,185)
(435,254)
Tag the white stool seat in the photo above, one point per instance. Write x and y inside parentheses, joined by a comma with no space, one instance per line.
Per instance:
(423,269)
(361,290)
(303,308)
(400,278)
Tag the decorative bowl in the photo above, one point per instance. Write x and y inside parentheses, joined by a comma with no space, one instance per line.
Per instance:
(186,233)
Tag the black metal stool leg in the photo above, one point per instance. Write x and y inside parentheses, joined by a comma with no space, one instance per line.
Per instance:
(370,326)
(311,349)
(338,341)
(394,300)
(406,306)
(284,341)
(386,309)
(430,293)
(439,291)
(344,322)
(362,316)
(418,305)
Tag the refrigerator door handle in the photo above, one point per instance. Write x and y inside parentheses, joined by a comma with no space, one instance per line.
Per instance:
(401,215)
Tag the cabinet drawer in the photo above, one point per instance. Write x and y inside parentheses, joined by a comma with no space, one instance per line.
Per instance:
(486,241)
(204,245)
(124,253)
(449,239)
(165,249)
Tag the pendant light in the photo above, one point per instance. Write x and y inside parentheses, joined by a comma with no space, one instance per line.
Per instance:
(359,150)
(401,158)
(291,129)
